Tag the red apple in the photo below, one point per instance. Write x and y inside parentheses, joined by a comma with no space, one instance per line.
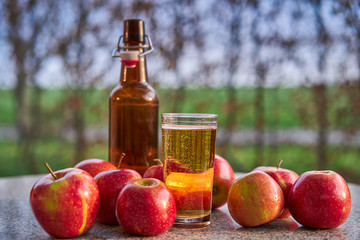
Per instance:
(94,166)
(156,171)
(110,184)
(223,178)
(320,199)
(146,207)
(255,199)
(67,206)
(285,178)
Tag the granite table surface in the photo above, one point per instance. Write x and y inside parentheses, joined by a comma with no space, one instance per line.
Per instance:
(18,222)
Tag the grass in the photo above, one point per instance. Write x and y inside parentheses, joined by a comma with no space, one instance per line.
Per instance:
(297,158)
(59,155)
(7,107)
(284,108)
(56,153)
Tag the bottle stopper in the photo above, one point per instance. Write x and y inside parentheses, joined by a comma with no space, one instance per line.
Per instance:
(130,58)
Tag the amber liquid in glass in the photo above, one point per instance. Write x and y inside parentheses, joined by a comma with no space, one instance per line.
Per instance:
(133,114)
(188,152)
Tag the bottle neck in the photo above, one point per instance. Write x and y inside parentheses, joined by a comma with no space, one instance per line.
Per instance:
(137,74)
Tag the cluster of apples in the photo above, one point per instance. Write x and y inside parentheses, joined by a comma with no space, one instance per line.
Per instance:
(67,202)
(316,199)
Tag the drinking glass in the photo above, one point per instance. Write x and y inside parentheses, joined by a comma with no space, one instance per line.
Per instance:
(188,150)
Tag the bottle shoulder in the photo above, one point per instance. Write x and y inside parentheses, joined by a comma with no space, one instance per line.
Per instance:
(137,92)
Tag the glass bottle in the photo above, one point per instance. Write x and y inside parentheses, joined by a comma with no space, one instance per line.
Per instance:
(133,107)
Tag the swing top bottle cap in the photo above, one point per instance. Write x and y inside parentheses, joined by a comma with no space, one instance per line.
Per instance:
(134,30)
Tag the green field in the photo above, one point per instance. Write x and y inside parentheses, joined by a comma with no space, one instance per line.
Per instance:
(298,158)
(284,108)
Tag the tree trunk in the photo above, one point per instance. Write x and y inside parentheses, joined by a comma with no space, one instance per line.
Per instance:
(179,98)
(259,125)
(275,113)
(261,70)
(19,96)
(80,144)
(320,92)
(76,103)
(23,125)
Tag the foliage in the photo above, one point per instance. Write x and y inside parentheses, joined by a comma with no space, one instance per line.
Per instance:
(241,158)
(284,107)
(292,104)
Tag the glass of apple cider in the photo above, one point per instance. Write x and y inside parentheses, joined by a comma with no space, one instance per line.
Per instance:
(188,149)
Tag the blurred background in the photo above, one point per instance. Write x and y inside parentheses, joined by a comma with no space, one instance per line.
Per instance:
(283,76)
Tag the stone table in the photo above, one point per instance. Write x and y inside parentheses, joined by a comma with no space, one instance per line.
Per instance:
(18,222)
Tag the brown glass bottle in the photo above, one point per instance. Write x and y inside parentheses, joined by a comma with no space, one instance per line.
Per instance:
(133,110)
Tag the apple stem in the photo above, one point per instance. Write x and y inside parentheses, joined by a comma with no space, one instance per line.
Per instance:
(278,166)
(158,161)
(51,171)
(120,160)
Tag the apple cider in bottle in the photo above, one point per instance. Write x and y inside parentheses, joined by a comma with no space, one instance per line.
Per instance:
(133,103)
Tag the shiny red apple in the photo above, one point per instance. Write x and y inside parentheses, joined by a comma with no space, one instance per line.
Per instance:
(285,178)
(146,207)
(66,203)
(255,199)
(110,184)
(320,199)
(94,166)
(155,171)
(223,178)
